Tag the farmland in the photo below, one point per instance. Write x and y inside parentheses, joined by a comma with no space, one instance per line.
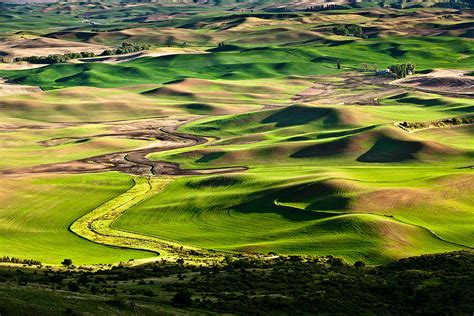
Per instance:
(232,133)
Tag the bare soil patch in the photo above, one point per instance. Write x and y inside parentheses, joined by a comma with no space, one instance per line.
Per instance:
(354,88)
(317,90)
(19,66)
(11,89)
(445,81)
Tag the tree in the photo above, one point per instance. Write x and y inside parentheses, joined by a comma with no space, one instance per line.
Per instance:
(182,298)
(66,262)
(107,52)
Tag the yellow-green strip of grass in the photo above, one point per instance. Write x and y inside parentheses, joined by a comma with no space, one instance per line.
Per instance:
(96,225)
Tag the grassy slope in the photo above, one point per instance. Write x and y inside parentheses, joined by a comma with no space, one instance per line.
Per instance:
(329,135)
(239,214)
(253,63)
(23,147)
(20,149)
(36,214)
(80,104)
(381,170)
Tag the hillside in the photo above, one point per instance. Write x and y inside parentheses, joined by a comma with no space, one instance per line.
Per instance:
(236,157)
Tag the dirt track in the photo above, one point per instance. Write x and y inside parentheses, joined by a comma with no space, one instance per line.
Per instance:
(133,162)
(348,91)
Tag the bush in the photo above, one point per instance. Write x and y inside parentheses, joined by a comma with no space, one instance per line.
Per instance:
(117,302)
(359,264)
(149,293)
(73,287)
(182,298)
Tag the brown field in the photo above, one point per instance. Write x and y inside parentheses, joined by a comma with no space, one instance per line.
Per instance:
(10,89)
(444,81)
(25,46)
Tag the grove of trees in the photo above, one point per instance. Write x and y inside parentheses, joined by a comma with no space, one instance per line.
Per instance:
(348,30)
(124,48)
(54,58)
(403,69)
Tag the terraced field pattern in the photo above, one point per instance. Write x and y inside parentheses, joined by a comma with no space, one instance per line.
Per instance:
(238,132)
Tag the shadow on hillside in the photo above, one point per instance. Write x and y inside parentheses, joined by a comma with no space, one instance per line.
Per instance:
(391,150)
(337,147)
(266,205)
(300,115)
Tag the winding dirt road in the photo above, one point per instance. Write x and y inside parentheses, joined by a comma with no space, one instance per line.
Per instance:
(134,162)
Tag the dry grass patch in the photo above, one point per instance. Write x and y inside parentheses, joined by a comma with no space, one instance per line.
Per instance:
(23,46)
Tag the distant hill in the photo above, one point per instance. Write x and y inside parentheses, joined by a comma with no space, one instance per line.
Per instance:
(27,1)
(278,5)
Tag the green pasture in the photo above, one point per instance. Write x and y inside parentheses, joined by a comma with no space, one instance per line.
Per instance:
(323,179)
(37,212)
(23,148)
(243,63)
(322,135)
(249,213)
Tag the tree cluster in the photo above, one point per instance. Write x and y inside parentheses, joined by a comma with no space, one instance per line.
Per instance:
(54,58)
(125,48)
(254,15)
(402,70)
(19,261)
(348,30)
(318,8)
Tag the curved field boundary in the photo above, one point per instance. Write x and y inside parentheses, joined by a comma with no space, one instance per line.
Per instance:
(96,225)
(336,213)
